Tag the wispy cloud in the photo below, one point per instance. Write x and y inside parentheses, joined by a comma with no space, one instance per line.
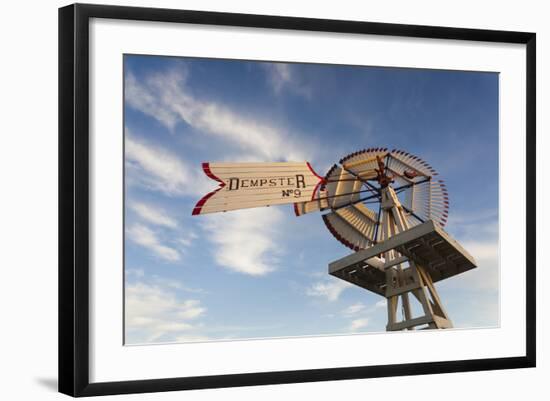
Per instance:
(360,315)
(381,304)
(477,232)
(154,313)
(185,338)
(279,75)
(158,169)
(174,284)
(358,324)
(180,238)
(479,310)
(147,238)
(155,168)
(142,97)
(154,215)
(282,76)
(135,272)
(330,290)
(474,225)
(245,241)
(166,97)
(486,276)
(486,251)
(187,238)
(354,309)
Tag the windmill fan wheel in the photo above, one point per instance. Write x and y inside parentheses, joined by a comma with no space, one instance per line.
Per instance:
(353,191)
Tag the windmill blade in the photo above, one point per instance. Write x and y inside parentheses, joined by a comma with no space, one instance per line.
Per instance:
(350,221)
(354,226)
(403,163)
(341,187)
(439,202)
(400,181)
(346,184)
(424,196)
(364,162)
(412,220)
(431,201)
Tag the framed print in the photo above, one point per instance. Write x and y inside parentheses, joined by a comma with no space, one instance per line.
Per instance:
(250,199)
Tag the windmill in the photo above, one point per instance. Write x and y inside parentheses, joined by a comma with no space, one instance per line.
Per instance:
(389,207)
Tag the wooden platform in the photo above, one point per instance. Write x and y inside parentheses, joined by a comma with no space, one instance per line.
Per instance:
(427,244)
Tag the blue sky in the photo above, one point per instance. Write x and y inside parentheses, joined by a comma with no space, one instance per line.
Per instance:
(262,272)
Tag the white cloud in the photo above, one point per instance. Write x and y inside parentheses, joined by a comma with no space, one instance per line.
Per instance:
(482,251)
(158,169)
(153,215)
(486,275)
(282,77)
(187,238)
(166,98)
(330,290)
(190,309)
(477,232)
(368,313)
(135,272)
(279,75)
(142,98)
(473,225)
(186,338)
(477,309)
(354,309)
(381,304)
(473,217)
(173,284)
(145,237)
(184,241)
(245,241)
(152,312)
(357,324)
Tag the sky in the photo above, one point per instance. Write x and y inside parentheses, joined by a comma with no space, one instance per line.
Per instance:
(263,273)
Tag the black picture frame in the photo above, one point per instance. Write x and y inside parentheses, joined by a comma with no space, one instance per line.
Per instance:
(74,198)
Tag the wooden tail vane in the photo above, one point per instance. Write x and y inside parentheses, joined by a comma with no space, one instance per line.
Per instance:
(247,185)
(387,206)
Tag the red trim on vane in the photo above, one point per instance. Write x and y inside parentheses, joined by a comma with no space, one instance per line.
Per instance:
(208,172)
(321,180)
(313,171)
(198,207)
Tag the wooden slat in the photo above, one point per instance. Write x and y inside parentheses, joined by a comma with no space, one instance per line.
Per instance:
(232,165)
(258,174)
(408,165)
(208,208)
(347,231)
(239,198)
(355,219)
(367,212)
(350,164)
(345,185)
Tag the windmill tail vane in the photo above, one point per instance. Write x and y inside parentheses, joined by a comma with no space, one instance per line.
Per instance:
(248,185)
(388,206)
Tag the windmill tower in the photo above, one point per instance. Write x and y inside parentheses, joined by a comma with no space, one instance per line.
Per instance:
(400,250)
